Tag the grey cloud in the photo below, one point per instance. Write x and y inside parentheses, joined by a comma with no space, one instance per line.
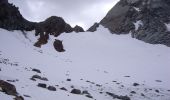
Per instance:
(81,12)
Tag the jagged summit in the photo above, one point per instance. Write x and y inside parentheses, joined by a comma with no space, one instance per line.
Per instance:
(11,19)
(78,29)
(147,20)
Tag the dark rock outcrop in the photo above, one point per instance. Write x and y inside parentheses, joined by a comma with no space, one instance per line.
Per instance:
(18,98)
(117,96)
(51,88)
(34,77)
(136,84)
(3,1)
(157,91)
(85,92)
(58,45)
(78,29)
(76,91)
(89,96)
(11,19)
(118,20)
(94,27)
(63,88)
(133,92)
(42,85)
(8,88)
(68,79)
(36,70)
(53,25)
(145,19)
(68,28)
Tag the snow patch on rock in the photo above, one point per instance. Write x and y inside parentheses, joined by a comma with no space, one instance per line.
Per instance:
(168,27)
(137,24)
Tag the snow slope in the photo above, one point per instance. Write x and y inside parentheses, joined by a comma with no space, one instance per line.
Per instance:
(98,62)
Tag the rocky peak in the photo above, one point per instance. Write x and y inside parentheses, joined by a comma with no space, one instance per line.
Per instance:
(78,29)
(145,19)
(11,19)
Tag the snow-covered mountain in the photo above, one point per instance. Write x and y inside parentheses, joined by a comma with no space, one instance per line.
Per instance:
(96,65)
(48,61)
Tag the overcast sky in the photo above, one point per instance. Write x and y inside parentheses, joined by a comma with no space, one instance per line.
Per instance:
(74,12)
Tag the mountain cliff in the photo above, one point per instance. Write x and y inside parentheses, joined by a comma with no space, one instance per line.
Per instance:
(11,19)
(146,20)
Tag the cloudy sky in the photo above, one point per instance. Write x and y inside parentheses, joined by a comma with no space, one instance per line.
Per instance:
(74,12)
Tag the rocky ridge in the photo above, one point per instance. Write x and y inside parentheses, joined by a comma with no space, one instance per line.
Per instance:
(11,19)
(146,20)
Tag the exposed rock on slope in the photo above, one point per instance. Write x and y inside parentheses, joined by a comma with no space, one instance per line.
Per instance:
(78,29)
(93,27)
(118,19)
(11,19)
(53,25)
(58,45)
(9,89)
(68,28)
(146,19)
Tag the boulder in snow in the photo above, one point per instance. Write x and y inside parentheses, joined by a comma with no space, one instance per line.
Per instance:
(42,85)
(58,45)
(8,88)
(76,91)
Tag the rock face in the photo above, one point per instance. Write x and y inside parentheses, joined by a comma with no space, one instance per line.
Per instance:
(78,29)
(68,28)
(146,19)
(116,20)
(11,19)
(4,1)
(94,27)
(53,25)
(8,88)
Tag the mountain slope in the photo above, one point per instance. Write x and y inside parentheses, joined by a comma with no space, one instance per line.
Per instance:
(101,63)
(146,20)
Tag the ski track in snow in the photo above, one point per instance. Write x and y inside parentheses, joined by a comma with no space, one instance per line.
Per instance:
(98,62)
